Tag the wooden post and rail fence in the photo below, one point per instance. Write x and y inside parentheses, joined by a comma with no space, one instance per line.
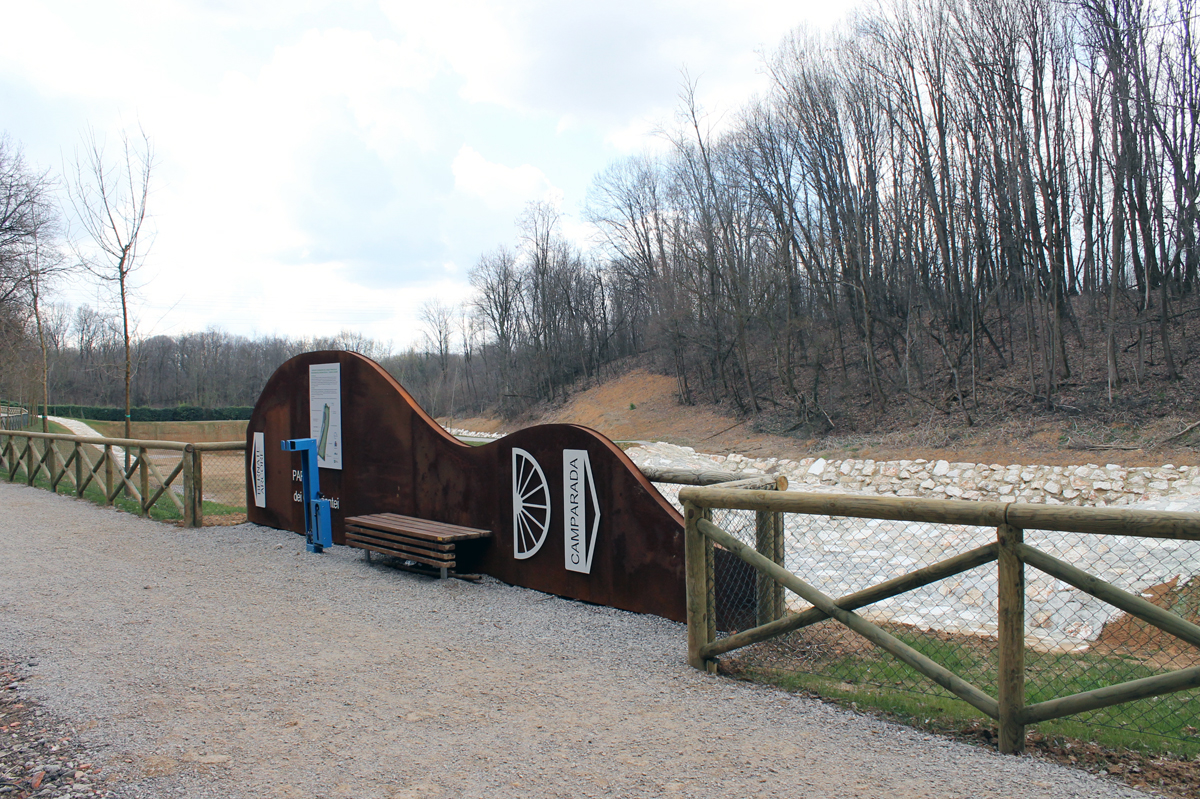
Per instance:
(1010,552)
(84,461)
(13,417)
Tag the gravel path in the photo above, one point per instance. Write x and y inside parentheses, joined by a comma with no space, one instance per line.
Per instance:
(227,662)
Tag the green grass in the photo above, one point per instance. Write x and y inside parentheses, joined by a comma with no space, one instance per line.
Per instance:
(163,510)
(874,680)
(55,427)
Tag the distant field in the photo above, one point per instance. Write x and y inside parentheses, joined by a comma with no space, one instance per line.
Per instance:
(175,431)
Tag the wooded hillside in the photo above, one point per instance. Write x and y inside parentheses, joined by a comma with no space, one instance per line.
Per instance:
(953,192)
(972,208)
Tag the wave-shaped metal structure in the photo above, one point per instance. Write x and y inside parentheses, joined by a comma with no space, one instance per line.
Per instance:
(570,514)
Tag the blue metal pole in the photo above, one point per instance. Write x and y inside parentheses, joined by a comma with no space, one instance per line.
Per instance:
(318,528)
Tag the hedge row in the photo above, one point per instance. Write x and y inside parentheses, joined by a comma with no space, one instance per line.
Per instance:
(180,413)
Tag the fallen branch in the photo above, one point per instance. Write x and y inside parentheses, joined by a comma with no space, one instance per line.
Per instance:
(726,430)
(1180,434)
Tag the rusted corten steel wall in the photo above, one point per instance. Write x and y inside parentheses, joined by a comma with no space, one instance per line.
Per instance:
(396,459)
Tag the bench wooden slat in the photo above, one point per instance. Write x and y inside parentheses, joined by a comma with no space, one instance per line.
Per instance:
(424,528)
(438,530)
(448,564)
(418,540)
(384,537)
(398,547)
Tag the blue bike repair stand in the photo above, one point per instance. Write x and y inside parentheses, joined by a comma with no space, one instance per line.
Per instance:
(318,529)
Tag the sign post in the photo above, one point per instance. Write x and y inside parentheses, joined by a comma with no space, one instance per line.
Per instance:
(317,525)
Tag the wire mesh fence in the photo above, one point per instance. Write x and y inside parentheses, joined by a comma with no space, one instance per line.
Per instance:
(1074,641)
(223,483)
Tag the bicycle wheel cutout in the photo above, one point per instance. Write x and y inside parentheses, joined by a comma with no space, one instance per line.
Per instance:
(531,505)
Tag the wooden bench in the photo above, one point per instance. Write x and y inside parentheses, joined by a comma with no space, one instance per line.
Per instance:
(417,540)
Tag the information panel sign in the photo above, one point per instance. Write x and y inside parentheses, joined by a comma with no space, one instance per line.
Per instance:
(325,412)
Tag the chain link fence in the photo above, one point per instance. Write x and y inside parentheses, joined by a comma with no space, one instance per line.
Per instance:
(1074,641)
(222,482)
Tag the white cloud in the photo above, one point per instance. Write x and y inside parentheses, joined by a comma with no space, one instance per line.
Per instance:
(498,185)
(477,40)
(311,149)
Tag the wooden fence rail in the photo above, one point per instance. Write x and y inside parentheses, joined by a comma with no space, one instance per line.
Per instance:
(115,466)
(13,418)
(1010,552)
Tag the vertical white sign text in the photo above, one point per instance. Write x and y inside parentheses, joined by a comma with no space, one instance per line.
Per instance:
(259,466)
(579,491)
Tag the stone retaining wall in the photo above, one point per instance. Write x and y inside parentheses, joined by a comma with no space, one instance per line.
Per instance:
(1089,484)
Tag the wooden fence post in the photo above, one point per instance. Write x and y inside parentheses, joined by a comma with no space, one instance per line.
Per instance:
(29,460)
(766,606)
(144,481)
(14,462)
(696,581)
(780,606)
(52,463)
(78,469)
(198,480)
(189,488)
(1010,574)
(109,476)
(710,587)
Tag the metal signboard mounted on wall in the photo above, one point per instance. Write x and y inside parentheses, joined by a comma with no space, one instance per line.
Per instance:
(258,463)
(325,412)
(569,513)
(580,504)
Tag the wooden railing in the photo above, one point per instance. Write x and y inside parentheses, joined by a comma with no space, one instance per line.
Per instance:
(13,417)
(1009,550)
(116,466)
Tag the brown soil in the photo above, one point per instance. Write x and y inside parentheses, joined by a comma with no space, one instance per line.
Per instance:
(1129,635)
(639,405)
(191,432)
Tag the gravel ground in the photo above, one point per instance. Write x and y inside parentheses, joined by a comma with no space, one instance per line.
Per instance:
(227,662)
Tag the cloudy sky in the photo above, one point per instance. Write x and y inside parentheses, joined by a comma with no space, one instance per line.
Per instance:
(329,165)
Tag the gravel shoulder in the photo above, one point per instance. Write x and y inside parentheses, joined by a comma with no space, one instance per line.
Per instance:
(228,662)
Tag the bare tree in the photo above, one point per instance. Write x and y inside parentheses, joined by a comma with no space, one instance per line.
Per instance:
(43,263)
(109,198)
(23,212)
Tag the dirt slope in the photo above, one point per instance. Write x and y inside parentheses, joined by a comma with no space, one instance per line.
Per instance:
(639,406)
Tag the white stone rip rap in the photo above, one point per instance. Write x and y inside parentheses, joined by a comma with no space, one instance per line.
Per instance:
(841,555)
